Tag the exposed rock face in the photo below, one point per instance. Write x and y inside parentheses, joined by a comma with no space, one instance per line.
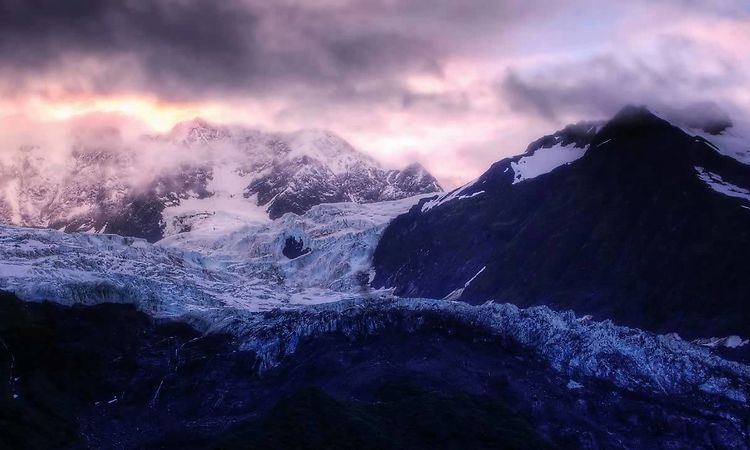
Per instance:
(294,248)
(106,183)
(634,220)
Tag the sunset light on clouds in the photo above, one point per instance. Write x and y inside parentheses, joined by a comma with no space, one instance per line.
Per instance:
(455,85)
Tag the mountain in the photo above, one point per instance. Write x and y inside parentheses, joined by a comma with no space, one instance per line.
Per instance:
(160,185)
(318,167)
(634,220)
(236,330)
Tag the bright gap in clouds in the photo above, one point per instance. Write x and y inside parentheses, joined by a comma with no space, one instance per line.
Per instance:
(154,114)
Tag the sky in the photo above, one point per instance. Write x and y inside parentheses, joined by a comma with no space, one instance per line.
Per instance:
(453,84)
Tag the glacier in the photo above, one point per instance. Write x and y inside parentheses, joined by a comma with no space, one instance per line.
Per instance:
(206,268)
(629,358)
(241,283)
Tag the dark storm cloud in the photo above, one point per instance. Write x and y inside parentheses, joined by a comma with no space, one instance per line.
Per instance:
(595,88)
(199,48)
(190,48)
(163,39)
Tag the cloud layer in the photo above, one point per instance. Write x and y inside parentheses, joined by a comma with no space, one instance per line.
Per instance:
(454,84)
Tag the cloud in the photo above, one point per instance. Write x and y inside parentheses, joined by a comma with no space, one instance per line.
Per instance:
(677,73)
(456,84)
(188,49)
(191,49)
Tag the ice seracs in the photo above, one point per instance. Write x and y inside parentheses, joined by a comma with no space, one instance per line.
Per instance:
(223,265)
(340,239)
(631,359)
(222,261)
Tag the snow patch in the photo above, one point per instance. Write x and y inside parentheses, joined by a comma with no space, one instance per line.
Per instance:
(733,142)
(728,342)
(475,276)
(715,182)
(545,160)
(456,194)
(455,294)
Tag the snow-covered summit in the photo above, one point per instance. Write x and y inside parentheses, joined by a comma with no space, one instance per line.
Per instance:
(569,144)
(541,156)
(197,130)
(325,147)
(156,184)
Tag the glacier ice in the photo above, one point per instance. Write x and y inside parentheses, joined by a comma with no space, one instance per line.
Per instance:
(241,283)
(629,358)
(204,268)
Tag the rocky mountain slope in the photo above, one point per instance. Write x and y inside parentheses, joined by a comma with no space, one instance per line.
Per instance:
(159,184)
(636,220)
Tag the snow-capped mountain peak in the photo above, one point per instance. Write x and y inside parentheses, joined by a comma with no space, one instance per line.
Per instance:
(165,183)
(327,148)
(593,218)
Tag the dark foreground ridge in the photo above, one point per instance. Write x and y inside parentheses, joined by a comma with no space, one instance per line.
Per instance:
(108,376)
(628,232)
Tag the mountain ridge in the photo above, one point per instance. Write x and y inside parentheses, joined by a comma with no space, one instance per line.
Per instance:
(109,185)
(628,230)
